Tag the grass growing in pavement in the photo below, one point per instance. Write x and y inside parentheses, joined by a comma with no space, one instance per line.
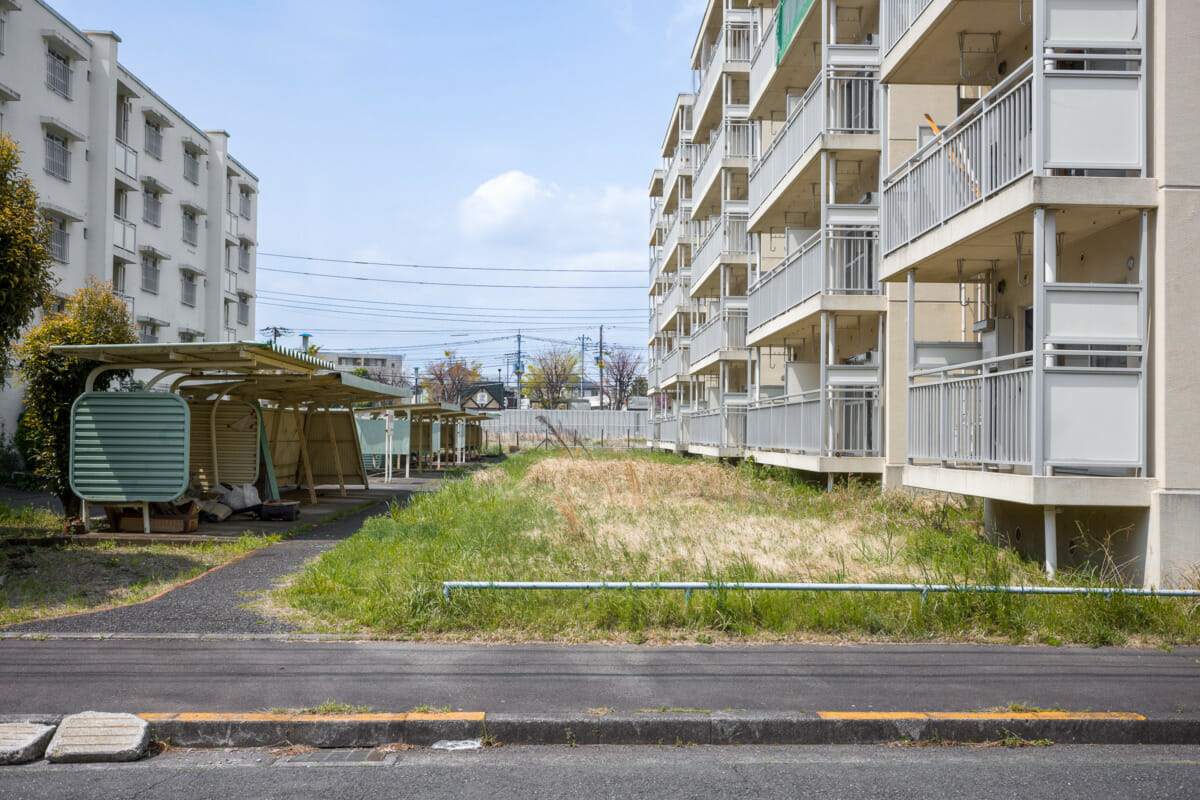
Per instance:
(327,707)
(653,517)
(43,582)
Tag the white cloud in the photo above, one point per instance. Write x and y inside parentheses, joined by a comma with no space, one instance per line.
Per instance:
(542,221)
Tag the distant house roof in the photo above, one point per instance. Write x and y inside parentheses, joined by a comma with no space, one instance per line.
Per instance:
(495,396)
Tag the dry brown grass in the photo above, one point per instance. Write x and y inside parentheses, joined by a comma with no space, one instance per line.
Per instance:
(697,518)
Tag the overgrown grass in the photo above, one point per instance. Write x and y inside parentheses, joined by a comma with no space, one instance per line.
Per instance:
(19,523)
(44,582)
(658,517)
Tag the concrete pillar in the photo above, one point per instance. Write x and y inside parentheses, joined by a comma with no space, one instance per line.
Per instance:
(102,133)
(214,239)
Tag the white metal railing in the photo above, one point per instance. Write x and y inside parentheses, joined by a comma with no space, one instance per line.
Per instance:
(191,166)
(682,159)
(124,234)
(980,412)
(733,139)
(794,424)
(831,261)
(762,63)
(231,222)
(838,101)
(682,230)
(897,16)
(719,427)
(656,209)
(977,155)
(188,291)
(724,330)
(675,363)
(727,235)
(58,157)
(734,43)
(126,159)
(656,260)
(58,73)
(191,228)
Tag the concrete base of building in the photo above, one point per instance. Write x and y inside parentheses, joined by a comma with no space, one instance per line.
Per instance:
(839,465)
(712,451)
(1034,490)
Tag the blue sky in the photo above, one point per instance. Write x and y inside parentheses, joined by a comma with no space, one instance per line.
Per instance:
(485,134)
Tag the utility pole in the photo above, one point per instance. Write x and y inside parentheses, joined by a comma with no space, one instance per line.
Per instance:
(417,383)
(600,361)
(519,368)
(583,340)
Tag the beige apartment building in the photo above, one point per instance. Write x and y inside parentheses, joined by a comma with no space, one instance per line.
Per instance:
(968,223)
(138,195)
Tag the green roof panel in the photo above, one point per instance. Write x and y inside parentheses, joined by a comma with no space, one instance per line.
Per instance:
(129,447)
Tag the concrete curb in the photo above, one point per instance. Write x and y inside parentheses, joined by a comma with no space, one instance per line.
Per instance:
(665,728)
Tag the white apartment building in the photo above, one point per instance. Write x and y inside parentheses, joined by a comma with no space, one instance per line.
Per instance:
(382,367)
(138,195)
(968,223)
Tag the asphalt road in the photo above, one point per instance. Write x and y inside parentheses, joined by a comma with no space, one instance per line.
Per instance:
(171,675)
(530,773)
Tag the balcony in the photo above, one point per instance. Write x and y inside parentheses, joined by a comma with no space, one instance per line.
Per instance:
(680,165)
(839,101)
(835,422)
(726,239)
(124,235)
(230,283)
(656,262)
(839,260)
(681,233)
(673,430)
(656,216)
(730,52)
(231,224)
(897,16)
(125,159)
(724,330)
(1074,120)
(722,428)
(732,146)
(674,365)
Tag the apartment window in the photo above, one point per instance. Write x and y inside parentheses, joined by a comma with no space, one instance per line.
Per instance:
(124,113)
(148,332)
(58,72)
(244,257)
(191,165)
(118,279)
(56,305)
(154,139)
(60,240)
(3,19)
(149,274)
(228,315)
(152,207)
(243,309)
(191,228)
(188,294)
(58,156)
(187,337)
(244,203)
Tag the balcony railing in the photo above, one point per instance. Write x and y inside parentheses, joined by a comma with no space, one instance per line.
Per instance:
(231,223)
(725,330)
(673,429)
(681,160)
(762,63)
(656,210)
(656,261)
(681,231)
(839,101)
(977,413)
(674,364)
(897,16)
(980,153)
(735,43)
(733,139)
(832,261)
(126,159)
(720,427)
(794,424)
(124,234)
(728,235)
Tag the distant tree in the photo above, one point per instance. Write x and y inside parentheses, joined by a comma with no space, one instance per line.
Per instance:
(93,315)
(389,377)
(445,381)
(551,376)
(26,267)
(620,371)
(361,372)
(640,387)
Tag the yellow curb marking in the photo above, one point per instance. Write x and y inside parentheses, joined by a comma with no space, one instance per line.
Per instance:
(457,716)
(983,715)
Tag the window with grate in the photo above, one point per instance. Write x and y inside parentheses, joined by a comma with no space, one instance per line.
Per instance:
(187,337)
(243,309)
(60,240)
(152,207)
(58,156)
(58,73)
(154,139)
(149,273)
(148,332)
(118,279)
(188,295)
(244,257)
(191,165)
(191,228)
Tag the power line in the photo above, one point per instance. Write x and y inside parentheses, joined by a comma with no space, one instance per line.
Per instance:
(470,308)
(444,316)
(441,283)
(443,266)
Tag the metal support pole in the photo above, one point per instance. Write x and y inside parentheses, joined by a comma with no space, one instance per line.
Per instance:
(1051,526)
(1039,334)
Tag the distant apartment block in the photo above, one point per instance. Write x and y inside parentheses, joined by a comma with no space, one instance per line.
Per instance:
(137,194)
(971,229)
(381,367)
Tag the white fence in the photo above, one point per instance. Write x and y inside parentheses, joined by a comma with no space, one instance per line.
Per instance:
(614,427)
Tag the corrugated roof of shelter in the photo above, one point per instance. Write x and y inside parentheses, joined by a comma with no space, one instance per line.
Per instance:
(325,388)
(419,410)
(230,356)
